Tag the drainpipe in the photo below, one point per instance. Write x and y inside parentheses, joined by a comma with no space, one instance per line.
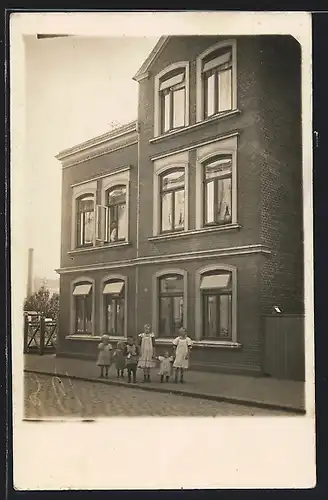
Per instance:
(137,229)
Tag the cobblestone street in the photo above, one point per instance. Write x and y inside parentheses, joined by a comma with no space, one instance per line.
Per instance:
(47,397)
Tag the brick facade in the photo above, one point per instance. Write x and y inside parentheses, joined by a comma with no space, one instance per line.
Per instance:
(264,246)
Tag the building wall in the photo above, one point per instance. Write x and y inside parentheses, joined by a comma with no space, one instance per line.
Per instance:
(281,174)
(87,170)
(245,122)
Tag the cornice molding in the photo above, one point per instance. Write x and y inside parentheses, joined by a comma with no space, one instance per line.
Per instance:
(102,144)
(165,259)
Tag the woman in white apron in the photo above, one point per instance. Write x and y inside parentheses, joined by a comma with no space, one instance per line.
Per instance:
(182,345)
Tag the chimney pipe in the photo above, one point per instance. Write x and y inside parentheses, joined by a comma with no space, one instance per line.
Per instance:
(30,272)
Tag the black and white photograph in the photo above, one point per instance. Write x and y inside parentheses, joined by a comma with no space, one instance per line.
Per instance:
(164,227)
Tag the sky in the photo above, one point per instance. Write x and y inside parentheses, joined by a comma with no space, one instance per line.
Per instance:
(75,88)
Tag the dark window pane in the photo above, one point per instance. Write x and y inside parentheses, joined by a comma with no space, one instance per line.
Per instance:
(170,315)
(217,316)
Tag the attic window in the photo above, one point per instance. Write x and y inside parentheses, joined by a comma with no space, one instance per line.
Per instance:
(172,98)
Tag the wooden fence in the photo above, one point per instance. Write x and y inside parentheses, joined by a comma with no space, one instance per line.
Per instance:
(40,335)
(284,352)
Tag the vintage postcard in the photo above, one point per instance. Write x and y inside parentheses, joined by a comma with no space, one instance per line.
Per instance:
(162,267)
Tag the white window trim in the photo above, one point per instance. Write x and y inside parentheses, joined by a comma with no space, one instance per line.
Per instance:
(110,277)
(221,147)
(199,309)
(157,113)
(73,308)
(180,160)
(155,294)
(122,179)
(199,81)
(78,192)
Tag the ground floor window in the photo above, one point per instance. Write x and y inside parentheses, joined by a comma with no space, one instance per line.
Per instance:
(217,306)
(171,305)
(83,308)
(114,307)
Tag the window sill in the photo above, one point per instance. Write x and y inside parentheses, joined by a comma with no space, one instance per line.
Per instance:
(173,133)
(95,338)
(106,246)
(219,344)
(184,234)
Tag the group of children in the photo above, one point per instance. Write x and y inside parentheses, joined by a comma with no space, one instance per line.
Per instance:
(141,354)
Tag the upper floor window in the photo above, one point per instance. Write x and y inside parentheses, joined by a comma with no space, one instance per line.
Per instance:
(85,220)
(171,304)
(116,214)
(172,98)
(173,101)
(217,176)
(216,85)
(172,195)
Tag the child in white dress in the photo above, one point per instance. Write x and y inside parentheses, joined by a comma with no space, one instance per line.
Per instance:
(165,366)
(182,345)
(147,351)
(105,355)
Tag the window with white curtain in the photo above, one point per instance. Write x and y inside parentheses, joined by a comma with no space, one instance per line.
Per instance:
(82,295)
(217,193)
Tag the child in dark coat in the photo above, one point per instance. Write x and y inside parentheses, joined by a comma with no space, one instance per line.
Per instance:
(131,353)
(119,359)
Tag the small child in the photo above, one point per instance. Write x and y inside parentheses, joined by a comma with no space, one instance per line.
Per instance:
(105,355)
(119,359)
(165,369)
(131,353)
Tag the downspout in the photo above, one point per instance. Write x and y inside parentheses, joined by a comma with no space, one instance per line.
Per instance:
(137,229)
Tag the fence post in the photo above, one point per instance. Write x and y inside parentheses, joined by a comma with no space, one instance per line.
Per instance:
(42,335)
(25,349)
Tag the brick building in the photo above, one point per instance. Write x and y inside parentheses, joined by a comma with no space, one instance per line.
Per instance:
(192,215)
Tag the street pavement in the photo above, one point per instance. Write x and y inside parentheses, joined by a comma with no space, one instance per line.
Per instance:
(53,397)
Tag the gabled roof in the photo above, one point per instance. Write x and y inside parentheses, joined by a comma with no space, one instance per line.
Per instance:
(143,71)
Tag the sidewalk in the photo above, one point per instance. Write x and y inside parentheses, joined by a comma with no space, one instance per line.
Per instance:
(252,391)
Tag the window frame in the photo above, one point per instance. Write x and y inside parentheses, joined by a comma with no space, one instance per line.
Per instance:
(215,181)
(118,204)
(73,309)
(160,167)
(204,155)
(78,212)
(88,188)
(199,305)
(173,192)
(113,180)
(111,278)
(201,114)
(219,292)
(184,66)
(170,295)
(156,296)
